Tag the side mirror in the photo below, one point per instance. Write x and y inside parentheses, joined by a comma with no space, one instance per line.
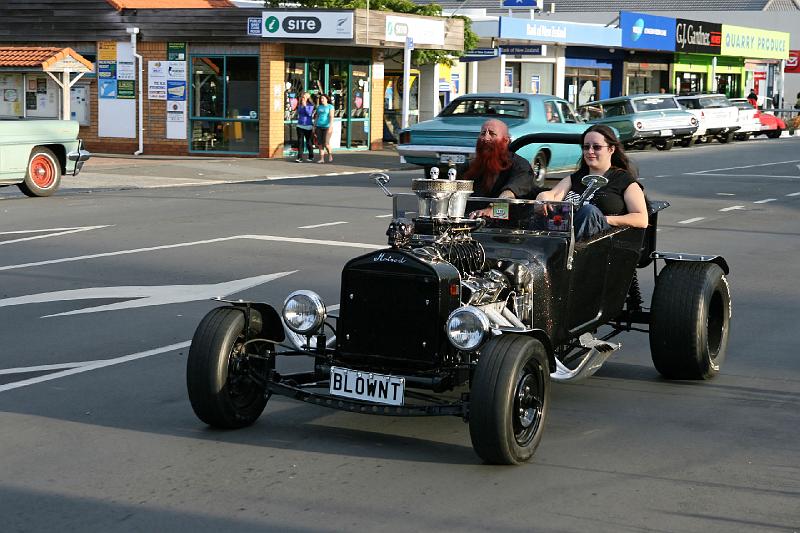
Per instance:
(381,180)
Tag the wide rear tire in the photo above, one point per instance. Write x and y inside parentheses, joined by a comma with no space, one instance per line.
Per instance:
(690,320)
(43,175)
(509,399)
(220,391)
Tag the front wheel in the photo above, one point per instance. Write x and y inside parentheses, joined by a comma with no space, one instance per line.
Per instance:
(218,371)
(774,134)
(43,175)
(509,399)
(690,320)
(539,166)
(687,142)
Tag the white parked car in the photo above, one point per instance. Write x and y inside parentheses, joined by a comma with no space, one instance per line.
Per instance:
(748,119)
(718,118)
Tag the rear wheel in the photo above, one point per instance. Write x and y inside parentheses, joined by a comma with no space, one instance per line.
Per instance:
(221,391)
(687,142)
(43,175)
(539,166)
(726,137)
(665,144)
(509,399)
(774,134)
(690,320)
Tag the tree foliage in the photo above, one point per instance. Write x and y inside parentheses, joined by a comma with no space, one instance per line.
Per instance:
(420,57)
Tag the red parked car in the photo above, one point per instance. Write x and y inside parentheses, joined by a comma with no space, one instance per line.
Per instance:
(771,126)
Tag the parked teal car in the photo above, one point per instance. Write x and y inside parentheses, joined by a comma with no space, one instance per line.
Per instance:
(643,119)
(451,136)
(34,154)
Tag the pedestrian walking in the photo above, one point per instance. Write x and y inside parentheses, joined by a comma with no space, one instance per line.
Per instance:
(305,127)
(323,122)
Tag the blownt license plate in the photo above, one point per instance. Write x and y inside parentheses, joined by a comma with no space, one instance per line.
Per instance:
(367,386)
(455,158)
(666,133)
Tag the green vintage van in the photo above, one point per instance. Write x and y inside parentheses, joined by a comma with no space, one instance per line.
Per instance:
(34,154)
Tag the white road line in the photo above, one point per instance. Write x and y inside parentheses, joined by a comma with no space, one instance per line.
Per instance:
(744,166)
(793,194)
(725,194)
(95,365)
(275,238)
(732,208)
(323,225)
(43,368)
(765,201)
(23,231)
(299,240)
(382,216)
(66,231)
(691,220)
(749,175)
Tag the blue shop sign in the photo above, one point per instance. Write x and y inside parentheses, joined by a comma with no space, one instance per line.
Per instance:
(647,32)
(559,32)
(479,54)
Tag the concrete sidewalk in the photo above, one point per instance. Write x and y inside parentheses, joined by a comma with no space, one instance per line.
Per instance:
(107,171)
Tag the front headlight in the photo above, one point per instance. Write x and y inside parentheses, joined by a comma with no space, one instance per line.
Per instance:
(467,327)
(304,312)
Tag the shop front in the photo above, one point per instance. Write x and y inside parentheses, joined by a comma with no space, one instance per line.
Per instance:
(649,43)
(592,74)
(763,52)
(347,81)
(230,91)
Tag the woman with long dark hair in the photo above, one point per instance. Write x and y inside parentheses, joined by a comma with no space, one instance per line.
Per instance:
(620,203)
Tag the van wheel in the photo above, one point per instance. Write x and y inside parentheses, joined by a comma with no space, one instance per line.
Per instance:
(43,175)
(687,142)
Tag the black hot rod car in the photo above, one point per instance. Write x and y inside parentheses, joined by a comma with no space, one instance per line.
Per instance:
(488,311)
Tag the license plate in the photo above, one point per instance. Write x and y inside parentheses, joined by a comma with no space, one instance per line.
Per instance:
(666,133)
(455,158)
(367,386)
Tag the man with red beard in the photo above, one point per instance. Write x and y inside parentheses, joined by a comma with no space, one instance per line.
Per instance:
(497,173)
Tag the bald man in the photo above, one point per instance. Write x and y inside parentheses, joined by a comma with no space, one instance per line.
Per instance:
(498,173)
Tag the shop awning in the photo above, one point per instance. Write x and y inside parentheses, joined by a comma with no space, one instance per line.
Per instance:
(50,60)
(43,59)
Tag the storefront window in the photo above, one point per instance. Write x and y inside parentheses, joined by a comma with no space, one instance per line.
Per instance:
(587,85)
(347,85)
(728,84)
(224,104)
(393,102)
(690,82)
(643,79)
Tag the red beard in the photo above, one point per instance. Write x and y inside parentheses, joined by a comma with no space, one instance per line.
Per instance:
(491,158)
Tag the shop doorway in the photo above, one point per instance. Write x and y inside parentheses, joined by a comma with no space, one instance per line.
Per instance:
(583,85)
(690,82)
(393,102)
(346,82)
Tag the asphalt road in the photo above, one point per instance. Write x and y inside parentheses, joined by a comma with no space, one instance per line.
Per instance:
(100,294)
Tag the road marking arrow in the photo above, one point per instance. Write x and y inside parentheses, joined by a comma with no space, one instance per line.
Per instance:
(142,296)
(732,208)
